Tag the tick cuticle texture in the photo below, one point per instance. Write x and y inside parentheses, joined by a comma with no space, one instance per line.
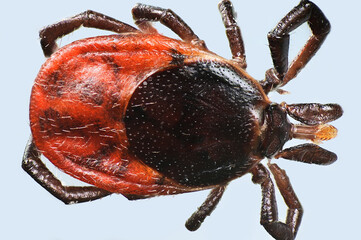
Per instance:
(195,124)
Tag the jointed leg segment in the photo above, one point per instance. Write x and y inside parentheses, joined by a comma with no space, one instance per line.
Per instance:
(195,221)
(89,18)
(33,165)
(233,33)
(143,14)
(278,39)
(269,214)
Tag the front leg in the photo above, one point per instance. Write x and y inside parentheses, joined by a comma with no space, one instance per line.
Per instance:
(269,213)
(278,39)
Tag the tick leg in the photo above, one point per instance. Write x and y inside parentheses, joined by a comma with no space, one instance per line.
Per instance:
(33,165)
(233,33)
(89,18)
(197,218)
(308,153)
(269,213)
(144,14)
(278,39)
(295,210)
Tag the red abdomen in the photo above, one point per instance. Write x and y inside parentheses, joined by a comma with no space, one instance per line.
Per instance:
(79,100)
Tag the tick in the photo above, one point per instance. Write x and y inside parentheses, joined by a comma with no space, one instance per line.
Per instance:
(143,115)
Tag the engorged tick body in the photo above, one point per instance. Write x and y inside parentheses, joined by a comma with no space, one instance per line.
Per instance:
(144,115)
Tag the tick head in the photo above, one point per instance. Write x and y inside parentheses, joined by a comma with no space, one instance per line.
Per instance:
(275,131)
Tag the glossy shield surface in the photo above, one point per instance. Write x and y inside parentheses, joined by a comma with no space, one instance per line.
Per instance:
(197,124)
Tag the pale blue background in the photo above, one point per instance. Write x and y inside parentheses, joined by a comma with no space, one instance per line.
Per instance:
(331,196)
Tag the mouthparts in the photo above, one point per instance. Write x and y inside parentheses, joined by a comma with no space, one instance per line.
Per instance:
(316,134)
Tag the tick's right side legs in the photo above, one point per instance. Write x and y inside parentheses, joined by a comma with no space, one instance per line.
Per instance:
(33,165)
(269,213)
(197,218)
(89,18)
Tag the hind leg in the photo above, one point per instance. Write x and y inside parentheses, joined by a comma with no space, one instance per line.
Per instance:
(33,165)
(89,18)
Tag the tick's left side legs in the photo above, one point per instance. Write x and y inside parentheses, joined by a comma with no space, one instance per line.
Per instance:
(233,33)
(33,165)
(91,19)
(269,213)
(279,37)
(144,14)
